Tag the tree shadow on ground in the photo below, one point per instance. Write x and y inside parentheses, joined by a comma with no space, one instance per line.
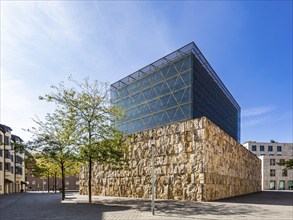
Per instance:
(187,208)
(284,198)
(49,206)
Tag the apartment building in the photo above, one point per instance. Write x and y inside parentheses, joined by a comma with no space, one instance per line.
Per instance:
(274,176)
(52,183)
(12,178)
(48,184)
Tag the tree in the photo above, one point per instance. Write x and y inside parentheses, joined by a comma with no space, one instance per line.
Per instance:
(288,164)
(41,166)
(55,137)
(98,140)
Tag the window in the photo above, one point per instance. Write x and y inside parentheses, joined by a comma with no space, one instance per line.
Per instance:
(1,153)
(1,166)
(272,162)
(6,140)
(7,167)
(281,184)
(11,169)
(262,148)
(279,148)
(18,160)
(290,184)
(272,185)
(272,172)
(33,182)
(7,154)
(270,148)
(253,147)
(284,172)
(282,161)
(1,139)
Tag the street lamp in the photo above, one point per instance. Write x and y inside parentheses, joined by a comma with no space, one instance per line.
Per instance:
(153,175)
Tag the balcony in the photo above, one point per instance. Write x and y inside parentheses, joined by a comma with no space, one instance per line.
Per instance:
(7,147)
(19,177)
(8,174)
(7,160)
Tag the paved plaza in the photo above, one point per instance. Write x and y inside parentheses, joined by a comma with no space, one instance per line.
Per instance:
(262,205)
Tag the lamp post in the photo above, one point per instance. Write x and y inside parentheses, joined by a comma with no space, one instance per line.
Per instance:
(153,175)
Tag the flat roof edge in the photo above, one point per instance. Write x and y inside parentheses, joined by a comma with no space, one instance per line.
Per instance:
(191,47)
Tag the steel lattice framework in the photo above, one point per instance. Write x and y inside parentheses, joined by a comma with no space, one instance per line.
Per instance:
(177,87)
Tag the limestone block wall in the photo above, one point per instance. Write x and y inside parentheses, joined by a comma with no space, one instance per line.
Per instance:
(194,160)
(229,168)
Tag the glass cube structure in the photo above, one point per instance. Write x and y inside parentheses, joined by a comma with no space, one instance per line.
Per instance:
(178,87)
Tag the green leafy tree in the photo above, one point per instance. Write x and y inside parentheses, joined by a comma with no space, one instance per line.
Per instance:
(288,164)
(98,140)
(55,137)
(38,165)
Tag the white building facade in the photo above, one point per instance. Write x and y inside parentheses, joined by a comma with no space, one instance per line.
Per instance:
(274,176)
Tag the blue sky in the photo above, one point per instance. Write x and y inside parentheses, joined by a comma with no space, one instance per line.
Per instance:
(249,45)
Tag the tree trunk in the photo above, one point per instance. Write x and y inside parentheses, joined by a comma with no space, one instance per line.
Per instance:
(90,162)
(90,180)
(48,184)
(63,181)
(55,182)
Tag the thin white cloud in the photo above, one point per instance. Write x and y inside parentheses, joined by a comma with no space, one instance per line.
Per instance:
(264,116)
(257,111)
(251,122)
(43,42)
(19,104)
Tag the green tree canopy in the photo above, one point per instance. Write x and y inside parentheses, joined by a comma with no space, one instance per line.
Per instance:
(56,137)
(89,104)
(287,163)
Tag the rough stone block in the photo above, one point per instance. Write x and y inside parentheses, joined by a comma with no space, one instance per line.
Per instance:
(194,160)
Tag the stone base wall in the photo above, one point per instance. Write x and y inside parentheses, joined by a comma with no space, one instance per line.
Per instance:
(229,168)
(194,160)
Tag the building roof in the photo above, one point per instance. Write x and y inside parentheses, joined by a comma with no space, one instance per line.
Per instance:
(16,138)
(189,48)
(5,128)
(263,142)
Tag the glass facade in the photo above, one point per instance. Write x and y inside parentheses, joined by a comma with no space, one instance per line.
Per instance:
(178,87)
(160,98)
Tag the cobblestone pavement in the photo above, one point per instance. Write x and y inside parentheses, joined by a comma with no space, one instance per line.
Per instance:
(262,205)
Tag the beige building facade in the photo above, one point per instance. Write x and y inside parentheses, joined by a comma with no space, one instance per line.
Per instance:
(194,160)
(12,168)
(274,176)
